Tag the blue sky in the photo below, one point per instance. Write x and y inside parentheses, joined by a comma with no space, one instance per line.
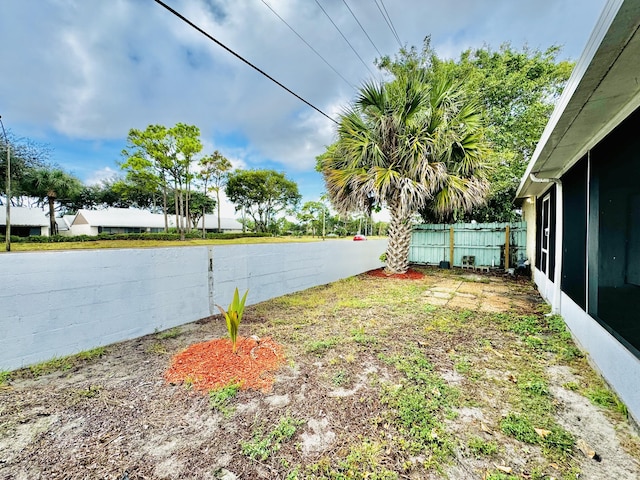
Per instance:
(77,74)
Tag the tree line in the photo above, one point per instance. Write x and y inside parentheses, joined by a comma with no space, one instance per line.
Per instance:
(164,171)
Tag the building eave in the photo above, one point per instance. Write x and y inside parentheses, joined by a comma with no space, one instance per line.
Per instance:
(603,89)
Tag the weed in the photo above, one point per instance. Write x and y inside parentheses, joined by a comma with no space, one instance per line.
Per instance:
(359,336)
(535,386)
(573,386)
(157,348)
(263,446)
(171,333)
(556,441)
(604,397)
(462,365)
(481,447)
(219,398)
(526,325)
(50,366)
(417,406)
(500,476)
(363,461)
(320,346)
(66,363)
(5,377)
(91,392)
(340,378)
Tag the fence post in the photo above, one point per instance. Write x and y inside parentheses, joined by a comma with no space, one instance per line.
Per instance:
(506,247)
(451,246)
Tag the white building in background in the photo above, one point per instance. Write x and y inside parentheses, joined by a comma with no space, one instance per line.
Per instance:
(129,220)
(25,221)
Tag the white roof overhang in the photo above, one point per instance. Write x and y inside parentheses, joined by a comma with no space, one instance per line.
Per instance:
(603,90)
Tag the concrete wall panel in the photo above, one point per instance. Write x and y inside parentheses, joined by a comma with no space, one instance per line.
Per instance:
(60,303)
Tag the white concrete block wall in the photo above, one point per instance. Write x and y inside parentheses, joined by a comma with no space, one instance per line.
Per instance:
(60,303)
(272,270)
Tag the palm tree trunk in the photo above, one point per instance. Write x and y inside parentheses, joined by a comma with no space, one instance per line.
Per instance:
(52,216)
(218,202)
(399,241)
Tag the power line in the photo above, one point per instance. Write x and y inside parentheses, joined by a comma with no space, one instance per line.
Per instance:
(193,25)
(308,45)
(345,39)
(387,19)
(365,32)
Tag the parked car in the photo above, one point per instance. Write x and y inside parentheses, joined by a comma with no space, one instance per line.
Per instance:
(359,238)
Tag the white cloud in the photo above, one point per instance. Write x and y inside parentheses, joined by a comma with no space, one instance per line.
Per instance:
(93,70)
(98,176)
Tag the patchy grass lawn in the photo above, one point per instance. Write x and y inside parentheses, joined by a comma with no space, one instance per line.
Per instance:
(451,376)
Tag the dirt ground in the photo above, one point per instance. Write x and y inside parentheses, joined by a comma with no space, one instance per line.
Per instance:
(115,417)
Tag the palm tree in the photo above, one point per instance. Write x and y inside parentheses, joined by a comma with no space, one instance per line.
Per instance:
(51,185)
(410,143)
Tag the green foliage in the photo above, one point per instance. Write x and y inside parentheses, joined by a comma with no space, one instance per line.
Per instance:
(5,377)
(364,461)
(262,446)
(219,398)
(418,406)
(482,447)
(320,346)
(233,315)
(65,363)
(261,194)
(50,186)
(517,89)
(395,148)
(171,333)
(604,397)
(557,442)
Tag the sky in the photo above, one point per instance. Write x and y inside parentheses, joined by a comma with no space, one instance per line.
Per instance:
(76,75)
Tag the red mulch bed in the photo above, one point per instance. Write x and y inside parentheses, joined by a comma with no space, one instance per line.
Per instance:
(210,365)
(408,275)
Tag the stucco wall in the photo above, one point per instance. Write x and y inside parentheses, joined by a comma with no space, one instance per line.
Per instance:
(617,365)
(60,303)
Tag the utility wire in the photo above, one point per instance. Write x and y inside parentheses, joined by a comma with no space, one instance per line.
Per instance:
(388,21)
(365,32)
(308,45)
(193,25)
(345,39)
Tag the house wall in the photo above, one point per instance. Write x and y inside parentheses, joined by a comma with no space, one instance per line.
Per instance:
(617,365)
(529,216)
(60,303)
(83,229)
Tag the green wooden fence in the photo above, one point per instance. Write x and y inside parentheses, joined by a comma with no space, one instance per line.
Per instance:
(486,242)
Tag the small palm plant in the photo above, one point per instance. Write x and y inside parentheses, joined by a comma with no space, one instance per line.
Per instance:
(233,316)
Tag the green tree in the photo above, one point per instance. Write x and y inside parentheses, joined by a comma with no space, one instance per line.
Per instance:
(261,194)
(199,205)
(158,159)
(413,142)
(51,185)
(213,173)
(185,144)
(26,155)
(147,163)
(517,90)
(313,217)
